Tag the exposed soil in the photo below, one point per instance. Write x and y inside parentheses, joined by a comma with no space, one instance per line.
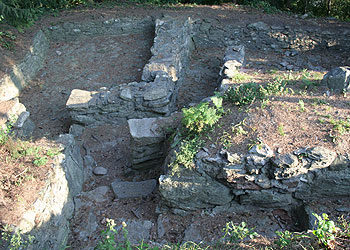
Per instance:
(103,61)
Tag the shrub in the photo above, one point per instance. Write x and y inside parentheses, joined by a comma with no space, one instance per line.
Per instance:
(245,94)
(199,118)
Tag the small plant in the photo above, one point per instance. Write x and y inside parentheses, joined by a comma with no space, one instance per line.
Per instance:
(15,239)
(238,129)
(245,94)
(40,161)
(344,227)
(187,151)
(52,152)
(236,233)
(284,239)
(226,140)
(240,77)
(281,131)
(108,241)
(301,106)
(5,133)
(325,230)
(199,118)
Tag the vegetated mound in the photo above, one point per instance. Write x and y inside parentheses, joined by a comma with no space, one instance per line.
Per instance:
(24,169)
(296,112)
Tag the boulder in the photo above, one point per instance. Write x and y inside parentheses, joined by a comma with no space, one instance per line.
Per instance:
(338,79)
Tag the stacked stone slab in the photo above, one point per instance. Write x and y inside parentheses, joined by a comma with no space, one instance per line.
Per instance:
(153,97)
(260,178)
(148,140)
(233,62)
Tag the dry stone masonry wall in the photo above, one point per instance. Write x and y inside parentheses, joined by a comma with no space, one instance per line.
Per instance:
(155,96)
(48,218)
(11,84)
(261,178)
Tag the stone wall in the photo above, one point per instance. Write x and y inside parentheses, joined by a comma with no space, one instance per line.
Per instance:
(261,178)
(48,218)
(117,26)
(155,96)
(12,83)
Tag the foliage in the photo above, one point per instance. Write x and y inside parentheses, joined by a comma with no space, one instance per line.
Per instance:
(23,13)
(326,230)
(236,233)
(286,238)
(5,133)
(6,39)
(16,240)
(199,118)
(185,154)
(344,226)
(335,8)
(109,235)
(245,94)
(263,5)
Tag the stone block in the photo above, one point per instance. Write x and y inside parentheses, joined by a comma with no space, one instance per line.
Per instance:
(124,189)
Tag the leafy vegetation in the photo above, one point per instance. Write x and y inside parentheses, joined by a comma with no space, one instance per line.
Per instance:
(15,240)
(325,231)
(236,233)
(233,234)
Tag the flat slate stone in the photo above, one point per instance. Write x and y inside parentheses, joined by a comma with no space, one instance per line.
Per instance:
(125,189)
(79,99)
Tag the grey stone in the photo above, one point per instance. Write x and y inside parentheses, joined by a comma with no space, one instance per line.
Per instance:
(76,130)
(79,99)
(340,163)
(126,94)
(192,234)
(193,192)
(262,150)
(21,119)
(325,184)
(146,131)
(338,79)
(138,231)
(98,194)
(160,226)
(124,189)
(266,198)
(285,161)
(100,171)
(259,26)
(321,157)
(155,94)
